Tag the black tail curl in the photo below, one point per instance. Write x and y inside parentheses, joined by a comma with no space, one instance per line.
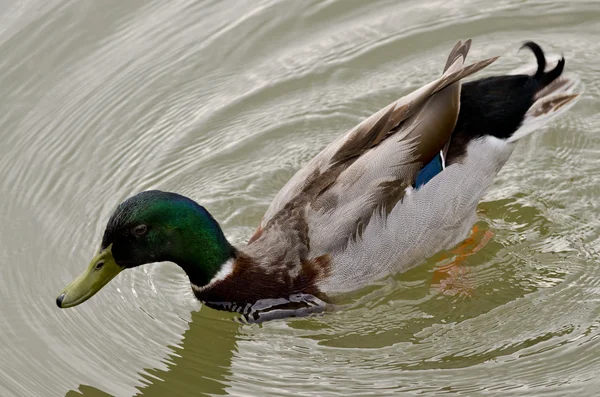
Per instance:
(544,78)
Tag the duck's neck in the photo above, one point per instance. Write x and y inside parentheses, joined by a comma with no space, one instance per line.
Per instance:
(203,268)
(202,250)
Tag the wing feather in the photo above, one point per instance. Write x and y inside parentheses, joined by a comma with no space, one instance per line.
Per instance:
(370,167)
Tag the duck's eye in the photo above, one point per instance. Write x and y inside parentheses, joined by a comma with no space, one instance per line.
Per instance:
(140,230)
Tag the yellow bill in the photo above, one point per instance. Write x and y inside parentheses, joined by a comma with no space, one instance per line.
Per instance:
(101,270)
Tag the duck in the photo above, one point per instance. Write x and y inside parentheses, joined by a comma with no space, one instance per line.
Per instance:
(399,187)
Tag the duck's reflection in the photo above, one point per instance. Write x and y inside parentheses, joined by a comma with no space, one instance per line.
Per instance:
(199,366)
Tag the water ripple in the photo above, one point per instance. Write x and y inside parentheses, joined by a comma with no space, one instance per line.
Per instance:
(224,101)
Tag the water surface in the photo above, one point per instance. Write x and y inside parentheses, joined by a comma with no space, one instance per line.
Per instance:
(223,101)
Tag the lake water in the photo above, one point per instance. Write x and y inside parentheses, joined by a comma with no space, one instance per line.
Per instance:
(223,100)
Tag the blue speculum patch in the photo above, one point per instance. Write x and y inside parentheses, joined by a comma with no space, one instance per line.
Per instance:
(433,168)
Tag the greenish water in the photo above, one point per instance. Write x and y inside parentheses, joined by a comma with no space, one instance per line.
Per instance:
(223,101)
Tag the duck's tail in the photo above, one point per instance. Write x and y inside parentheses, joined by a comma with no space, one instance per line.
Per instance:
(512,106)
(553,94)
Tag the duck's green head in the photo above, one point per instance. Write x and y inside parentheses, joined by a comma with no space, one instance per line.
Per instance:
(153,226)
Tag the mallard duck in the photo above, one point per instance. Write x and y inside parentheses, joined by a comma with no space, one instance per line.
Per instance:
(397,188)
